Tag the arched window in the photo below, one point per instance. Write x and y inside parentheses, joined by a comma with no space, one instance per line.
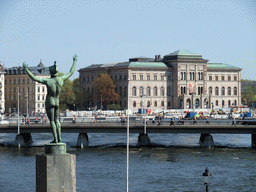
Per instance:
(155,91)
(181,90)
(141,91)
(184,75)
(155,103)
(181,76)
(199,91)
(217,103)
(223,103)
(229,103)
(223,91)
(184,90)
(201,75)
(229,90)
(162,103)
(134,91)
(134,103)
(148,104)
(216,91)
(193,76)
(190,75)
(235,90)
(148,91)
(162,91)
(235,102)
(210,90)
(202,90)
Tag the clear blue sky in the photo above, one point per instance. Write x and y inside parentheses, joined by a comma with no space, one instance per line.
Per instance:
(103,31)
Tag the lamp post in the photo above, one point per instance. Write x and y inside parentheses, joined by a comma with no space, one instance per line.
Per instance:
(206,176)
(27,104)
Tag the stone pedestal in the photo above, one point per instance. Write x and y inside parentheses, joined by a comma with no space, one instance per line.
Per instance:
(56,169)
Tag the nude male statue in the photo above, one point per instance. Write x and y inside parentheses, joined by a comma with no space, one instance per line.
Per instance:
(54,85)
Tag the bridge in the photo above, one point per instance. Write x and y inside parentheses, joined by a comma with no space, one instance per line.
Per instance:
(206,139)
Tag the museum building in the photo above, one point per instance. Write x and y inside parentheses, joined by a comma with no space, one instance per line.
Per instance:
(179,80)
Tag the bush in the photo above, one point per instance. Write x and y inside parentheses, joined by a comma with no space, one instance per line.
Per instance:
(113,107)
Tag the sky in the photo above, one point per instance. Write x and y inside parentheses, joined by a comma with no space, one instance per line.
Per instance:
(109,31)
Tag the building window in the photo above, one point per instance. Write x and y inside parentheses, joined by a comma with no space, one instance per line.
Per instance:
(190,75)
(38,105)
(235,91)
(148,104)
(162,91)
(134,91)
(210,90)
(92,78)
(210,78)
(141,77)
(202,77)
(155,91)
(18,81)
(121,91)
(193,76)
(141,91)
(216,91)
(155,103)
(169,77)
(235,78)
(222,78)
(162,103)
(148,77)
(217,103)
(115,77)
(181,90)
(229,90)
(14,90)
(199,76)
(134,103)
(38,89)
(148,91)
(14,81)
(216,78)
(125,78)
(169,91)
(120,77)
(155,77)
(38,97)
(229,103)
(43,105)
(235,102)
(141,104)
(43,97)
(88,79)
(125,91)
(43,89)
(223,91)
(27,81)
(223,103)
(229,78)
(162,77)
(134,77)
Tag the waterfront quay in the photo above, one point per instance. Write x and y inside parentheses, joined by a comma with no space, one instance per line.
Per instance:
(206,139)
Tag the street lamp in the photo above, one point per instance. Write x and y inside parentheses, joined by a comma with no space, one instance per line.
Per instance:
(145,129)
(206,176)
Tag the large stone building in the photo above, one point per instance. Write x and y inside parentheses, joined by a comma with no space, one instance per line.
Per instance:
(32,94)
(179,80)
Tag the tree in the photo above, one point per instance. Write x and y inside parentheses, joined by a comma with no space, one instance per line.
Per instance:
(82,97)
(104,90)
(248,91)
(67,96)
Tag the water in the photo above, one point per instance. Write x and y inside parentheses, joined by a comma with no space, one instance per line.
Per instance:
(175,162)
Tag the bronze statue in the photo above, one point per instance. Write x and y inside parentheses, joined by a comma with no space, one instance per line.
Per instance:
(54,85)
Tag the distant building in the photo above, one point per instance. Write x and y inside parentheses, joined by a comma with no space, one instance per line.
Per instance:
(32,94)
(179,80)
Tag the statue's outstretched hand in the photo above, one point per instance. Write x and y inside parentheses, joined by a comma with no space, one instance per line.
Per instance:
(75,58)
(25,65)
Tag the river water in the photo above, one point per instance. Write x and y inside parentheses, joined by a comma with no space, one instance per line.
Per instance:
(175,162)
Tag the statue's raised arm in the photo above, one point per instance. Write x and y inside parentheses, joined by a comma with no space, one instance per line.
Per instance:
(72,69)
(33,77)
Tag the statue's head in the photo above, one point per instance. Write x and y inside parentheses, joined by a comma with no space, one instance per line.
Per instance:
(53,69)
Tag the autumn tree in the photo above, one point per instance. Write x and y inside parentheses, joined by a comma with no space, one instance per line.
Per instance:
(104,90)
(82,97)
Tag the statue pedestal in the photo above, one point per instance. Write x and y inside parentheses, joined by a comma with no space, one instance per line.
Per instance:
(56,169)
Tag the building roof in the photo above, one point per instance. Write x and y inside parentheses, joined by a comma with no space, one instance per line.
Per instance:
(40,64)
(222,66)
(147,65)
(183,52)
(21,71)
